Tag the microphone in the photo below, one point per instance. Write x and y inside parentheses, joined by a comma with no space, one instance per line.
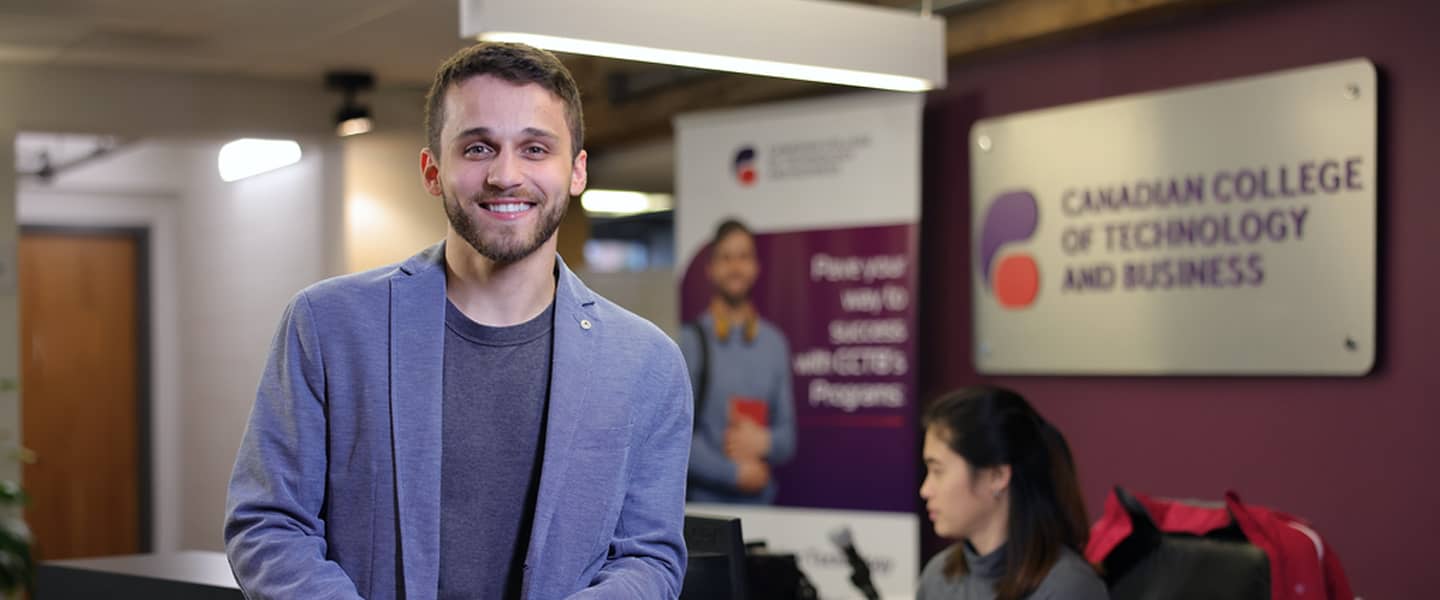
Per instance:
(859,571)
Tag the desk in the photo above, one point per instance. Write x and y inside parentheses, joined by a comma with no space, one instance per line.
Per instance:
(182,575)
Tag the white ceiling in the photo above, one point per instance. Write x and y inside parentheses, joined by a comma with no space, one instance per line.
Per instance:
(401,41)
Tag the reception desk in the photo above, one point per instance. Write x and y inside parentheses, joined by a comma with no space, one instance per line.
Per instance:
(181,575)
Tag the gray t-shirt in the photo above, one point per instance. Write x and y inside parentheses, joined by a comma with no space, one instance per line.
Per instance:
(496,386)
(1070,579)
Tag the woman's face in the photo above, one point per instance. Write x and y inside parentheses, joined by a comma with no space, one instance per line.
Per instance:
(960,500)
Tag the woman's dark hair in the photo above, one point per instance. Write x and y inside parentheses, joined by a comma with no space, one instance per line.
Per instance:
(990,427)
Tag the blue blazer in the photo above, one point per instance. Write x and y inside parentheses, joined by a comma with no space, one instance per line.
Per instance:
(336,488)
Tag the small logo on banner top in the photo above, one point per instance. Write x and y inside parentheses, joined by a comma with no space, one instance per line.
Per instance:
(744,165)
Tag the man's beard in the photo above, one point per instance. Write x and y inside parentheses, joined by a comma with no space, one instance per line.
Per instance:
(506,248)
(733,300)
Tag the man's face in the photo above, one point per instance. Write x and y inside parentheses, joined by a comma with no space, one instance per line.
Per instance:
(505,169)
(733,267)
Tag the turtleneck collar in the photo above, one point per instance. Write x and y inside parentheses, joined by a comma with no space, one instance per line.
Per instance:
(990,566)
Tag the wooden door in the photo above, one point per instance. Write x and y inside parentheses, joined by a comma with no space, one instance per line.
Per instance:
(81,409)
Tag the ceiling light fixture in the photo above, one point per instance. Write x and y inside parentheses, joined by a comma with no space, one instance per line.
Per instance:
(619,203)
(352,118)
(814,40)
(248,156)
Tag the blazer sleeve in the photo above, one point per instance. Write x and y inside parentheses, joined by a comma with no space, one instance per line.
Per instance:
(274,533)
(647,550)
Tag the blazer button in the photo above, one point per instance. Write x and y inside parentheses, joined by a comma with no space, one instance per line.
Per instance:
(585,323)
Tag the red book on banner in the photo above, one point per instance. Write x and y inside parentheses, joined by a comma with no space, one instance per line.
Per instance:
(754,409)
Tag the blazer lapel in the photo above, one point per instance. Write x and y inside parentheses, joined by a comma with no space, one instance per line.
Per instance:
(576,341)
(417,362)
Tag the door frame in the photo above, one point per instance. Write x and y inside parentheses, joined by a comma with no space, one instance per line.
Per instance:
(144,444)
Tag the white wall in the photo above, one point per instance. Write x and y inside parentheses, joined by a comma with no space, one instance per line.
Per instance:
(148,104)
(225,258)
(248,247)
(388,215)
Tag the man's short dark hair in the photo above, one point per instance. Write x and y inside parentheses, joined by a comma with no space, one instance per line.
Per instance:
(516,63)
(727,227)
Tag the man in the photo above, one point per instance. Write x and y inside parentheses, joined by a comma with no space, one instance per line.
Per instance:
(472,422)
(740,366)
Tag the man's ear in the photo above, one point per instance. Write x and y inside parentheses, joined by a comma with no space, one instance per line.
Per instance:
(579,176)
(430,173)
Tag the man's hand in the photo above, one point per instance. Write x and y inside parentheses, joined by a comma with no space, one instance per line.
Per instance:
(744,440)
(752,476)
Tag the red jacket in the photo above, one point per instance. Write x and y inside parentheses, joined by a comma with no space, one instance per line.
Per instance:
(1302,565)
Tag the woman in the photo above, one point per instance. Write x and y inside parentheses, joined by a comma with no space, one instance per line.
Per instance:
(999,481)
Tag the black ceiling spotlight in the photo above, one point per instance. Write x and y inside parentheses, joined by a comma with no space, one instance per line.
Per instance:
(353,118)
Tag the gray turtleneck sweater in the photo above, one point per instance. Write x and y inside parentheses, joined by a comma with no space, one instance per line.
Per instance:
(1070,579)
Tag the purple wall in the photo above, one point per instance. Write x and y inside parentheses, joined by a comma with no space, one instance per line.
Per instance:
(1353,456)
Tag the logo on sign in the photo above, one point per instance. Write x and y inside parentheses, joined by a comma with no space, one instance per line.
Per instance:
(1013,277)
(744,166)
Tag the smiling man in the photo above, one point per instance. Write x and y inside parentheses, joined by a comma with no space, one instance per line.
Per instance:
(472,422)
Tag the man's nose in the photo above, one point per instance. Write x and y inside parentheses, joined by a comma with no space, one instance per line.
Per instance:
(505,172)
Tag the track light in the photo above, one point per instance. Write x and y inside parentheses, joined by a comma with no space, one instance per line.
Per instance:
(815,40)
(352,118)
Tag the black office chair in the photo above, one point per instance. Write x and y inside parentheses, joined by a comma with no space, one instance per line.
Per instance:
(1155,565)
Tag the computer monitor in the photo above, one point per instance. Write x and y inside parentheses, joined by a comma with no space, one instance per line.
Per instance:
(716,568)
